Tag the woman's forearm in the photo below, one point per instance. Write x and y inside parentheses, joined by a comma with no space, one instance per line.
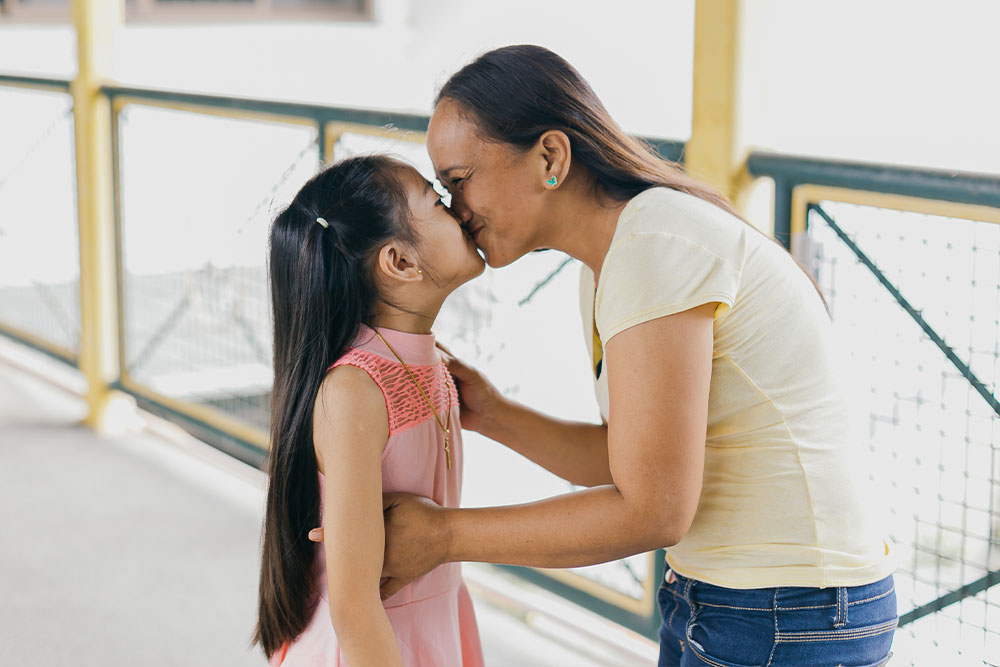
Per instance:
(581,528)
(575,451)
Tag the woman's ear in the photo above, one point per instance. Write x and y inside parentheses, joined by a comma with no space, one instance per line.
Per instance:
(398,263)
(554,147)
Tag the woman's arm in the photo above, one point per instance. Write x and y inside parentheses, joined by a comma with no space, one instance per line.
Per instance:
(575,451)
(350,429)
(659,374)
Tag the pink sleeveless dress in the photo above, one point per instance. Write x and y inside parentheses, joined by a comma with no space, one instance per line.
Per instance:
(432,617)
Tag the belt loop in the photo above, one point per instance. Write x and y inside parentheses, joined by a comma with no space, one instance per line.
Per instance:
(841,619)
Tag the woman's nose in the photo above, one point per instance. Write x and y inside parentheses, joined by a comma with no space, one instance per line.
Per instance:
(461,211)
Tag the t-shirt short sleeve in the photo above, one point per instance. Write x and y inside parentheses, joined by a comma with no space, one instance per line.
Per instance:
(661,267)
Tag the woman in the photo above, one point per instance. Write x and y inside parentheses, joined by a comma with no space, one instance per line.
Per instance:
(724,436)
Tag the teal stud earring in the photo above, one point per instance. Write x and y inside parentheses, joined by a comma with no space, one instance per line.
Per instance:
(552,181)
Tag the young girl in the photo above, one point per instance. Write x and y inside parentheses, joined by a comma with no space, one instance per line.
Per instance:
(360,263)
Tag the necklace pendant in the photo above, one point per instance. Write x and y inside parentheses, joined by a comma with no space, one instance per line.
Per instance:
(447,454)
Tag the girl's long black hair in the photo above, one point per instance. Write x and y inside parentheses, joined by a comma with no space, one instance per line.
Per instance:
(322,290)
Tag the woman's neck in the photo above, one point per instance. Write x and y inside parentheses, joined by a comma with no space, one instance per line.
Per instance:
(583,225)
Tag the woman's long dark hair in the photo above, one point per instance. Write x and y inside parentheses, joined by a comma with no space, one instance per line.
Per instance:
(517,93)
(322,290)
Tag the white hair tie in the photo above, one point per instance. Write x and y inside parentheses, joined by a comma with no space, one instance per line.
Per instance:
(323,222)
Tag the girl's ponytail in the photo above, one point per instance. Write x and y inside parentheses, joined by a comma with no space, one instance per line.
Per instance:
(322,290)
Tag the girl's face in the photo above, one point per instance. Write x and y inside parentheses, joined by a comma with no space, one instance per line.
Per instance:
(494,189)
(446,251)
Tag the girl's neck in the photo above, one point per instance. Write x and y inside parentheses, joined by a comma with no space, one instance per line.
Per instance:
(419,321)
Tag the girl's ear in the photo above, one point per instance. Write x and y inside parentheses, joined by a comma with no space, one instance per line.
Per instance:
(397,263)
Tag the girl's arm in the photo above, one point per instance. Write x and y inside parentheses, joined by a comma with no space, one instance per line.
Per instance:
(350,430)
(659,374)
(575,451)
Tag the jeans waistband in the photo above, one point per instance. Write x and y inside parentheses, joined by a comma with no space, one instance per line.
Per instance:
(782,597)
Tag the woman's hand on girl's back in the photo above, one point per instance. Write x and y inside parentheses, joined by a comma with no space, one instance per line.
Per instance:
(416,539)
(479,399)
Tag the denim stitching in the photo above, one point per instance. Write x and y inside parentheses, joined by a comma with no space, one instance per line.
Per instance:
(815,606)
(692,619)
(803,633)
(677,603)
(827,606)
(869,632)
(774,644)
(837,635)
(704,658)
(891,590)
(726,606)
(836,639)
(840,619)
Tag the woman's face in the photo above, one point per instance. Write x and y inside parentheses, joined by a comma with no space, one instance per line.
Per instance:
(494,188)
(446,251)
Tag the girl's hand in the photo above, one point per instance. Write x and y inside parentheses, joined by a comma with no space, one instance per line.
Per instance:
(416,539)
(480,401)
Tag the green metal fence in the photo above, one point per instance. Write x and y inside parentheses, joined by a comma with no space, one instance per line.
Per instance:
(194,329)
(909,262)
(41,305)
(197,179)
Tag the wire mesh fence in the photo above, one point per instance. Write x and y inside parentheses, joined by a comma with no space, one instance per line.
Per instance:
(931,434)
(197,196)
(39,242)
(197,193)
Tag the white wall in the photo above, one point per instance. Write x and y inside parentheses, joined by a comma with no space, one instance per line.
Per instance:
(886,81)
(636,54)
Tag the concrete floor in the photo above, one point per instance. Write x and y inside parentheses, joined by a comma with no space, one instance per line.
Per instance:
(142,548)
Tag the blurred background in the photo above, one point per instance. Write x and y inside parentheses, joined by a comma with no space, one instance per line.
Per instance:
(146,145)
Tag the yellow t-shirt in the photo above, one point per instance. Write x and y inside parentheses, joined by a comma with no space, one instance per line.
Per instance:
(780,503)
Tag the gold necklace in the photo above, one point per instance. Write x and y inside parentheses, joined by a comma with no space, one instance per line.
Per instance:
(444,426)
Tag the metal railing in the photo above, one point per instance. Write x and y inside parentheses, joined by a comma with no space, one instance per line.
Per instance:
(39,262)
(909,263)
(194,330)
(191,291)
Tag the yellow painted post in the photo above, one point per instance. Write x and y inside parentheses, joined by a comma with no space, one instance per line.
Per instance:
(712,153)
(96,22)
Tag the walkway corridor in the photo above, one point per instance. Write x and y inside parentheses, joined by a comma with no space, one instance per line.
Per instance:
(141,550)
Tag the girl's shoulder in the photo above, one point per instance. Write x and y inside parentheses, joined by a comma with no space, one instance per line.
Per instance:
(349,405)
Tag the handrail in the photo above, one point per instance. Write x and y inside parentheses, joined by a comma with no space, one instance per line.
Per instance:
(954,186)
(788,172)
(35,81)
(671,149)
(318,112)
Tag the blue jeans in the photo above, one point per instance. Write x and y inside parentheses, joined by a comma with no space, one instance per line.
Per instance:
(726,627)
